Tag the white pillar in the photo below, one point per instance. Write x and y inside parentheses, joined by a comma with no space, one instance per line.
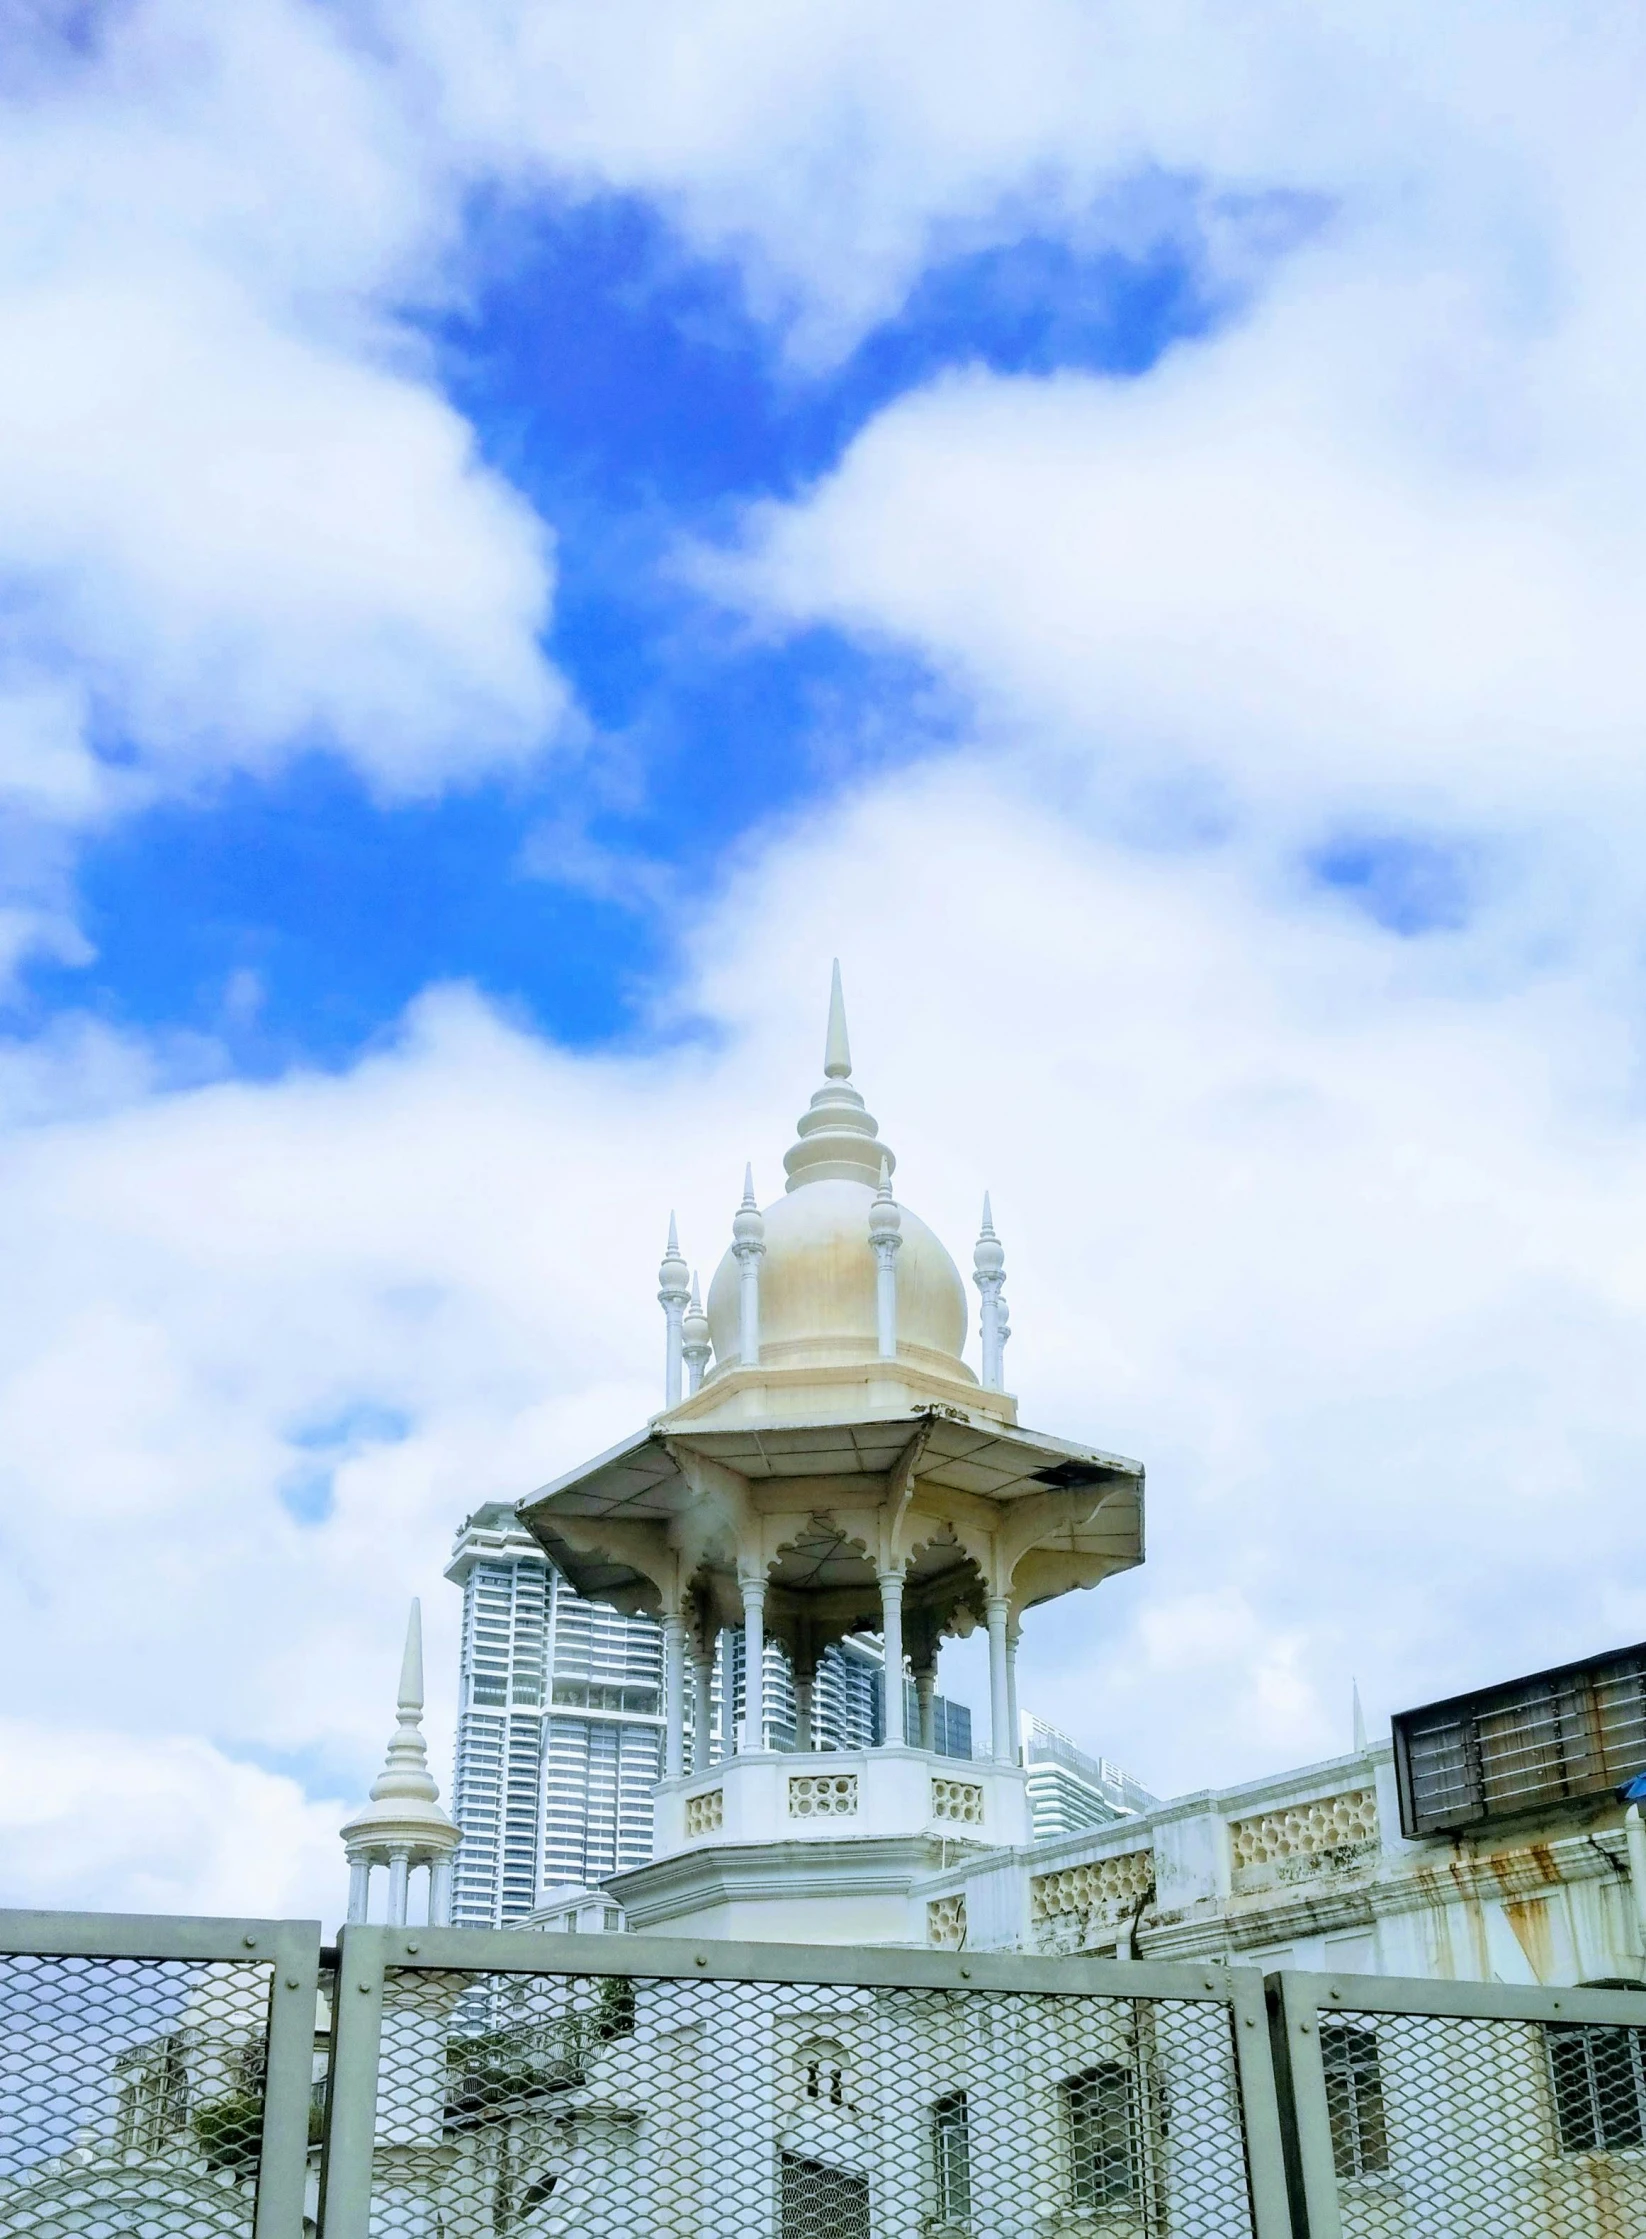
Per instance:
(399,1874)
(925,1695)
(884,1223)
(989,1274)
(754,1663)
(1012,1637)
(440,1893)
(891,1633)
(674,1694)
(748,1249)
(804,1738)
(1000,1709)
(359,1888)
(1634,1835)
(672,1296)
(702,1706)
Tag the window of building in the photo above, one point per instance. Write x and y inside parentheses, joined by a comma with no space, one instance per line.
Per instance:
(823,2203)
(823,2074)
(1598,2076)
(1102,2137)
(952,2159)
(1354,2098)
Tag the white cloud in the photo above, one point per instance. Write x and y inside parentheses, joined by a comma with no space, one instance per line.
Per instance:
(1348,1253)
(237,518)
(170,1822)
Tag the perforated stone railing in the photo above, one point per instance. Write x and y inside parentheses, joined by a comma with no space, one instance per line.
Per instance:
(958,1799)
(822,1795)
(946,1922)
(706,1814)
(1099,1894)
(1299,1839)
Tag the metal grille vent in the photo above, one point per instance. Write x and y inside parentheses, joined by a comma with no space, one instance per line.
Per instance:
(1566,1734)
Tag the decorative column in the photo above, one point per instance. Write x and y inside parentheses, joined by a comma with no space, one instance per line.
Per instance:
(672,1296)
(1000,1707)
(891,1633)
(754,1663)
(702,1705)
(674,1694)
(359,1889)
(440,1893)
(1014,1634)
(1634,1836)
(885,1221)
(748,1249)
(989,1274)
(925,1695)
(1002,1330)
(694,1336)
(399,1874)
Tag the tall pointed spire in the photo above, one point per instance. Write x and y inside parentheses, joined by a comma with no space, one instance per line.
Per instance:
(989,1274)
(1359,1719)
(403,1826)
(837,1050)
(837,1138)
(672,1296)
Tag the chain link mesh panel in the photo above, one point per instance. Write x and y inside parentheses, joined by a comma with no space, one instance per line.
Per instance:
(1446,2127)
(131,2097)
(603,2107)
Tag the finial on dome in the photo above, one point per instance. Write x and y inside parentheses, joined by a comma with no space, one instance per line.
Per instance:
(836,1134)
(989,1274)
(837,1051)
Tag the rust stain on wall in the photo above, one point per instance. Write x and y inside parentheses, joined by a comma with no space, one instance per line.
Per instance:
(1529,1918)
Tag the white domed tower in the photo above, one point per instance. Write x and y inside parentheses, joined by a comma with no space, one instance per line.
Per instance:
(838,1469)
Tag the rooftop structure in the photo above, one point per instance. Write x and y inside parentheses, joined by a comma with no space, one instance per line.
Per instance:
(403,1828)
(828,1464)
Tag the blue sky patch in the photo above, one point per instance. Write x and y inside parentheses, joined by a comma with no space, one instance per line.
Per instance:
(626,389)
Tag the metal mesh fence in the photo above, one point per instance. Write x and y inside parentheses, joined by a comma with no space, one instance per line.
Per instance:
(131,2096)
(541,2106)
(1456,2127)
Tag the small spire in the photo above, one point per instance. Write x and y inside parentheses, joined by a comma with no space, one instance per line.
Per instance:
(674,1239)
(748,1184)
(1359,1718)
(410,1703)
(988,1255)
(837,1051)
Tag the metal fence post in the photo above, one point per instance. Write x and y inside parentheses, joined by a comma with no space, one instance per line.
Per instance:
(282,2168)
(1301,2075)
(1259,2101)
(351,2091)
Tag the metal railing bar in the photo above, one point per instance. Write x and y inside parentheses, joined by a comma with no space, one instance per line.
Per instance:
(515,1951)
(102,1935)
(1491,2001)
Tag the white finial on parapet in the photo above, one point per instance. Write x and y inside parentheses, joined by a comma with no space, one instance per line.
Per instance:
(885,1224)
(403,1826)
(837,1051)
(989,1274)
(672,1296)
(694,1335)
(748,1249)
(1359,1719)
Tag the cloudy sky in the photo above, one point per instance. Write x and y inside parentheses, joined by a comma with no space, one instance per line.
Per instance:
(525,530)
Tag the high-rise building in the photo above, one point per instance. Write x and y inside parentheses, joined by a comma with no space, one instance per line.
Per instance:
(558,1728)
(559,1723)
(1069,1790)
